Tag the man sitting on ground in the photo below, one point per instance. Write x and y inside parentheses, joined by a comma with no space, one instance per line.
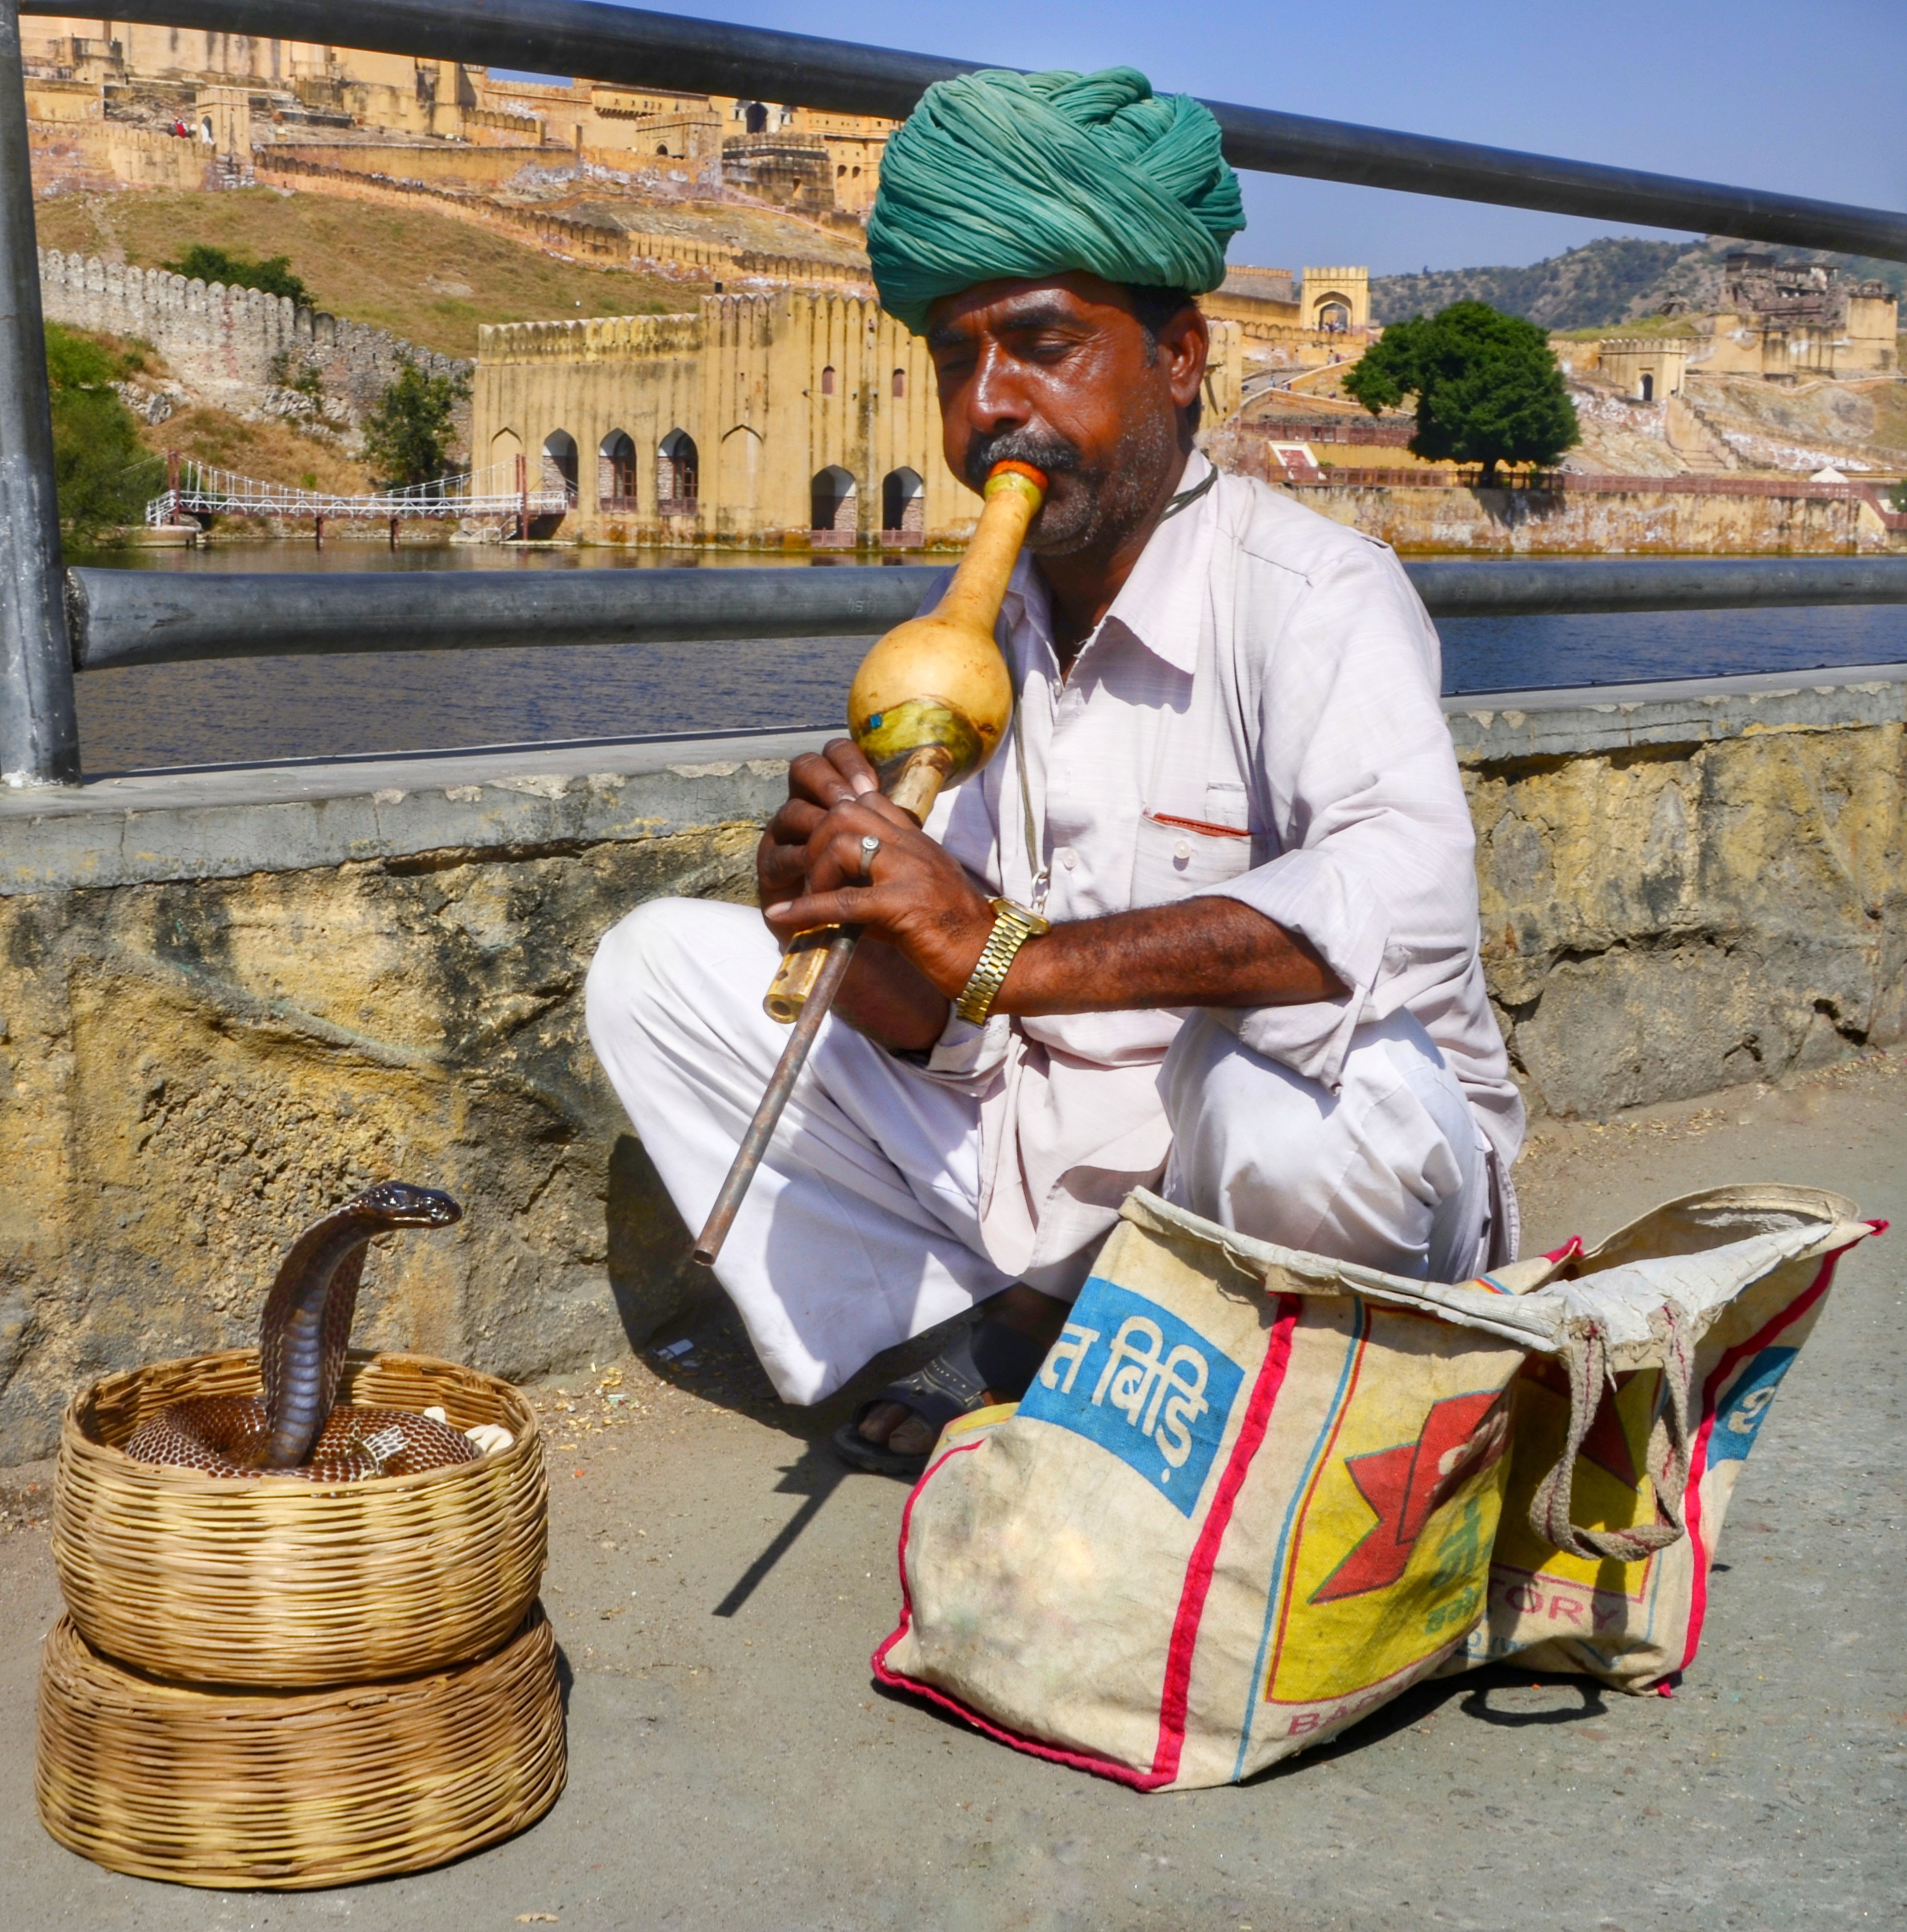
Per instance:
(1231,825)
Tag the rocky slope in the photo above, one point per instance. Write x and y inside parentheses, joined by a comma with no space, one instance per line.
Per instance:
(1613,280)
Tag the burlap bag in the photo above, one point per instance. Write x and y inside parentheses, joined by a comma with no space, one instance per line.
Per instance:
(1675,1334)
(1251,1497)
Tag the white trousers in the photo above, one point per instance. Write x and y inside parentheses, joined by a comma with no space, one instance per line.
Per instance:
(863,1226)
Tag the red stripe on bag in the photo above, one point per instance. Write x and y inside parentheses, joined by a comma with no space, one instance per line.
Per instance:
(1698,1461)
(1192,1600)
(1211,1539)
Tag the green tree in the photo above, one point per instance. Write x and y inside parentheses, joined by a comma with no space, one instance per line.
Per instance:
(102,475)
(205,262)
(412,430)
(1487,387)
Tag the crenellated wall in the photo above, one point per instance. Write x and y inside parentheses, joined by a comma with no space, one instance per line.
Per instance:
(221,342)
(773,390)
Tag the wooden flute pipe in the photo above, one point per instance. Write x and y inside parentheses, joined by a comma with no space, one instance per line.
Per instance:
(928,707)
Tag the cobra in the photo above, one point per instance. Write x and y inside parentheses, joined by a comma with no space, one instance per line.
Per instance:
(299,1428)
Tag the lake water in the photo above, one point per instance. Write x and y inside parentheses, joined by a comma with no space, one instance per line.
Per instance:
(242,709)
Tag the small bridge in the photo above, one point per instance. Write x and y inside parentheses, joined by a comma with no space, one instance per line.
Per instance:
(503,490)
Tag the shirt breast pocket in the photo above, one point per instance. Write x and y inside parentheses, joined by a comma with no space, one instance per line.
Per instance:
(1177,858)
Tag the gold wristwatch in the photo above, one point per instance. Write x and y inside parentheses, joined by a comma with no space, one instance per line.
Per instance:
(1013,926)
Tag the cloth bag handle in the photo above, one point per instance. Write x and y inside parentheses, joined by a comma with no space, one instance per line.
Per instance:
(1552,1515)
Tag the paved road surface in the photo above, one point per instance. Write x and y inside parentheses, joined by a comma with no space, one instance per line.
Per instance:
(717,1587)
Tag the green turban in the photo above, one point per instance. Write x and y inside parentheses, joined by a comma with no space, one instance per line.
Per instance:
(999,176)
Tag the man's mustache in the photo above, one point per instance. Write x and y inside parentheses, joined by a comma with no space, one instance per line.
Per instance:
(1049,453)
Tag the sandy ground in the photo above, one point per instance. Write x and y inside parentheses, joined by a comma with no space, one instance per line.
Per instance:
(718,1584)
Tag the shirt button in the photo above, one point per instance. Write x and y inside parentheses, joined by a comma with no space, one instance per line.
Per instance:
(1181,850)
(1068,857)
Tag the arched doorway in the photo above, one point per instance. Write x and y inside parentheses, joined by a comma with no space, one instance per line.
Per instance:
(903,510)
(678,475)
(755,117)
(560,463)
(834,508)
(1648,385)
(616,472)
(1334,317)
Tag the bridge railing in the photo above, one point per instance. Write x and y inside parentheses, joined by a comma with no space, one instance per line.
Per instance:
(39,739)
(198,489)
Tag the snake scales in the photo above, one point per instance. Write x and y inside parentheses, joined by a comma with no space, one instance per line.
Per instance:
(299,1427)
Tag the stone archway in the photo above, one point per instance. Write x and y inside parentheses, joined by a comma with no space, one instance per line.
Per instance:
(559,465)
(834,508)
(616,471)
(678,475)
(903,510)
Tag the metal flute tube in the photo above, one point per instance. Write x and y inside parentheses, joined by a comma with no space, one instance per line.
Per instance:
(633,46)
(39,730)
(774,1101)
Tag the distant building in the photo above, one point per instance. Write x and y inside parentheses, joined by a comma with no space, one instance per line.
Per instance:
(1778,320)
(1782,319)
(798,420)
(818,164)
(1273,304)
(1648,367)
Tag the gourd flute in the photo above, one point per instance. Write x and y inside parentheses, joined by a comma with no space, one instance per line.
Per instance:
(928,707)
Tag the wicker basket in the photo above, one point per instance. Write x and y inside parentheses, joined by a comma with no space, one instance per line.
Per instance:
(211,1579)
(259,1789)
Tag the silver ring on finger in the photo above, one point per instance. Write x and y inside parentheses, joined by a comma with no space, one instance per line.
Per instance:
(870,845)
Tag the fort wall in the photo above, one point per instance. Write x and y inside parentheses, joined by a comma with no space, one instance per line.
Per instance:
(1696,516)
(775,392)
(223,343)
(592,241)
(235,996)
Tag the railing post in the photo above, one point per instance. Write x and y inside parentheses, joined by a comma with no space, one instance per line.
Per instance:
(39,731)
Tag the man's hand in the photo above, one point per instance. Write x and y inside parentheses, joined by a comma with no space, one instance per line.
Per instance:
(924,921)
(928,923)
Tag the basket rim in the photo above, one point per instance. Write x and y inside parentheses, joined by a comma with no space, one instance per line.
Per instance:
(291,1700)
(75,1440)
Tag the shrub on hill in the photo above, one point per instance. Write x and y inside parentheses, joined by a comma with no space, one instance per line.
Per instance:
(1487,387)
(103,476)
(204,263)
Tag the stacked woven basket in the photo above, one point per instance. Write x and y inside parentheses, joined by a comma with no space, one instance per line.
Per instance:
(280,1683)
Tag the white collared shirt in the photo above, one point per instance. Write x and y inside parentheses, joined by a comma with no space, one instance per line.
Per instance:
(1257,717)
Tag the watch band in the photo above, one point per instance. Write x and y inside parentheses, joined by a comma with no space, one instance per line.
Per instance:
(1013,926)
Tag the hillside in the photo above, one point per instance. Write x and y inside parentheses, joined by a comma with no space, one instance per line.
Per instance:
(1613,280)
(427,276)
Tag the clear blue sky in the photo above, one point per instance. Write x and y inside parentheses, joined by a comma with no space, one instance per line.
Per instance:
(1807,98)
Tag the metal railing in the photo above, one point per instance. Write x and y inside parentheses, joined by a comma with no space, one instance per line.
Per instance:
(38,736)
(147,616)
(201,490)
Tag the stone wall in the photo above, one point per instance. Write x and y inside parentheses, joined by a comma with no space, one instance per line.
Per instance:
(773,391)
(222,343)
(1595,516)
(488,165)
(1681,893)
(231,997)
(677,255)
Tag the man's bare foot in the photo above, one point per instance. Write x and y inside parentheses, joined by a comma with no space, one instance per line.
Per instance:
(1023,1310)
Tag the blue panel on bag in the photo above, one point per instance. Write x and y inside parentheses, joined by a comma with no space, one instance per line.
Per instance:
(1738,1421)
(1131,1376)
